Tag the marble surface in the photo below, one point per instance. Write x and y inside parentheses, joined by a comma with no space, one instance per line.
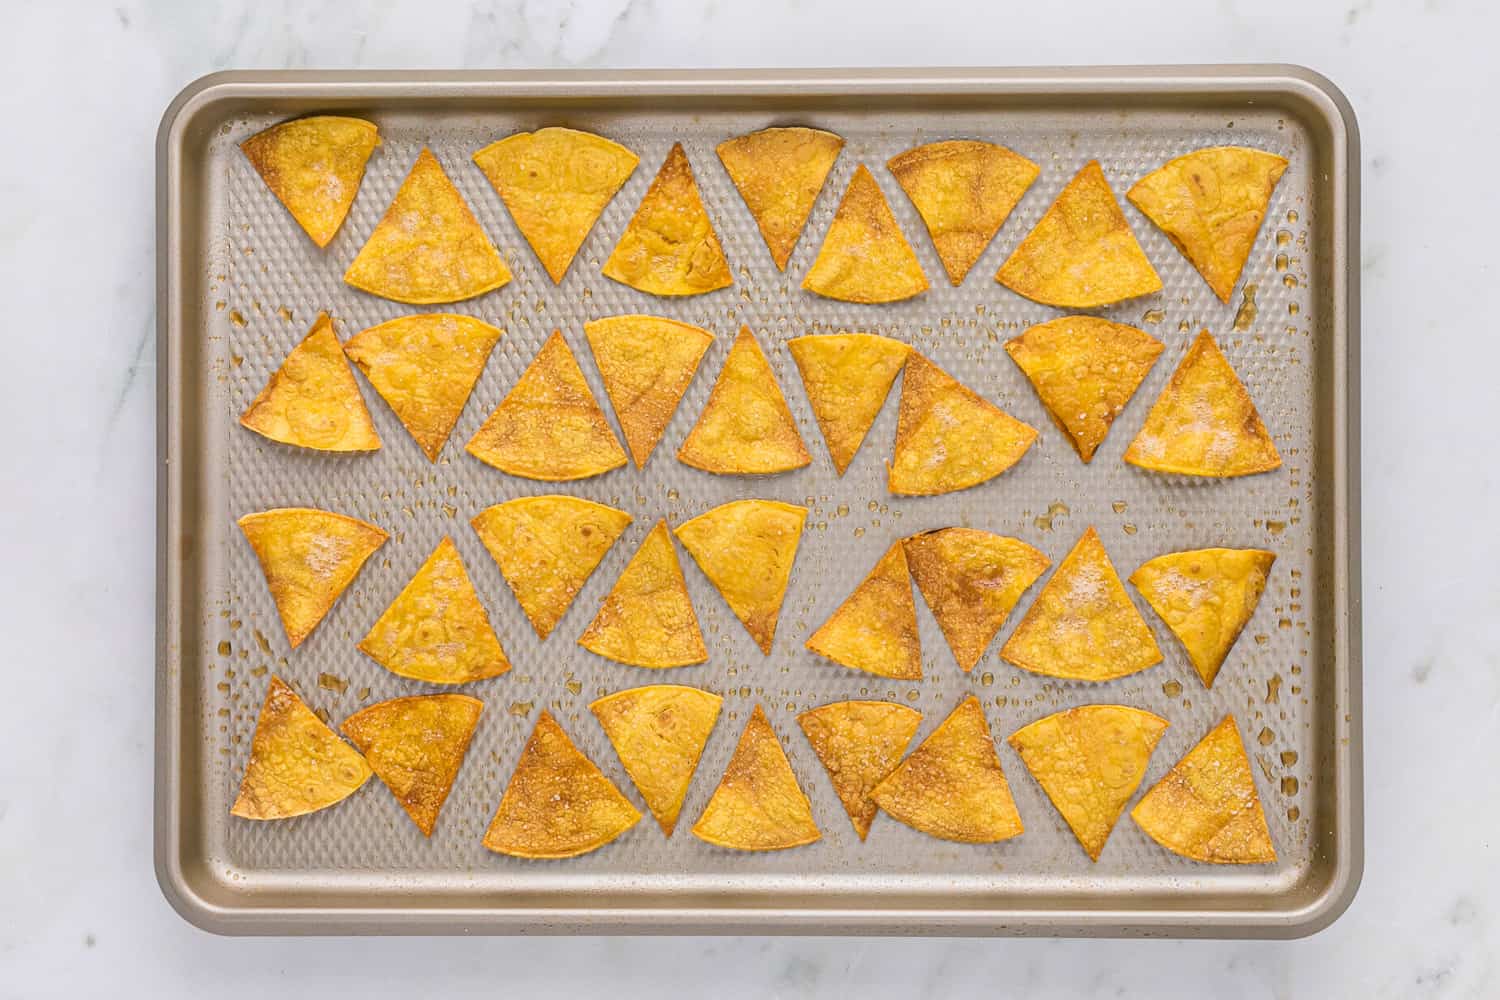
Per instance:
(80,912)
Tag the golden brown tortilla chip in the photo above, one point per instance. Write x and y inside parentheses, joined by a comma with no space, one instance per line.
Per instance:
(779,172)
(312,400)
(314,167)
(647,620)
(670,247)
(746,549)
(416,746)
(875,629)
(647,363)
(859,743)
(847,377)
(745,427)
(659,732)
(758,805)
(1205,596)
(865,257)
(297,764)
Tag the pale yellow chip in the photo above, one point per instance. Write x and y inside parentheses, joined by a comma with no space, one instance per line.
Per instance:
(416,746)
(1082,625)
(1085,369)
(1204,423)
(550,426)
(971,580)
(1205,596)
(647,619)
(952,787)
(746,549)
(758,805)
(314,167)
(558,803)
(670,247)
(1090,760)
(1206,808)
(297,764)
(779,172)
(647,363)
(875,629)
(1211,202)
(865,256)
(745,427)
(556,182)
(964,190)
(312,400)
(847,377)
(1081,254)
(859,743)
(659,733)
(308,557)
(428,248)
(546,548)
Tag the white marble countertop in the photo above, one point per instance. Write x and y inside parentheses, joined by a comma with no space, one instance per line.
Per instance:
(80,913)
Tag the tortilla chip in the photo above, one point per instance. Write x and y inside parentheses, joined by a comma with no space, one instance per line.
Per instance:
(647,620)
(745,428)
(758,805)
(424,367)
(1205,596)
(746,549)
(875,629)
(546,548)
(865,257)
(971,580)
(314,167)
(1085,369)
(647,363)
(948,437)
(416,746)
(1204,422)
(1082,625)
(1090,760)
(670,247)
(428,248)
(1211,203)
(436,630)
(550,427)
(964,191)
(952,787)
(779,172)
(312,400)
(556,182)
(308,557)
(859,743)
(847,377)
(558,803)
(659,733)
(1081,254)
(297,764)
(1206,808)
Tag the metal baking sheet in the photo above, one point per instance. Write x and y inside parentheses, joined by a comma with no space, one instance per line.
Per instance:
(239,284)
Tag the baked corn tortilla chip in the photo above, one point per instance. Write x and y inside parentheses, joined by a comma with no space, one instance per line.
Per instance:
(847,377)
(647,363)
(758,805)
(859,743)
(670,247)
(745,427)
(779,172)
(297,764)
(416,746)
(865,257)
(312,400)
(314,167)
(746,549)
(875,629)
(659,733)
(647,619)
(1205,596)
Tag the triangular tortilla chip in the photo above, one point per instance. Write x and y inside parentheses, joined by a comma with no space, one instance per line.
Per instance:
(659,733)
(428,248)
(745,427)
(1089,760)
(779,172)
(847,377)
(1206,808)
(550,426)
(312,400)
(1204,422)
(314,167)
(865,257)
(875,629)
(948,437)
(746,549)
(758,805)
(308,557)
(416,746)
(859,743)
(1211,203)
(952,787)
(647,363)
(964,190)
(670,247)
(547,547)
(1205,596)
(558,803)
(555,182)
(971,580)
(297,764)
(1085,369)
(1081,254)
(647,619)
(424,367)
